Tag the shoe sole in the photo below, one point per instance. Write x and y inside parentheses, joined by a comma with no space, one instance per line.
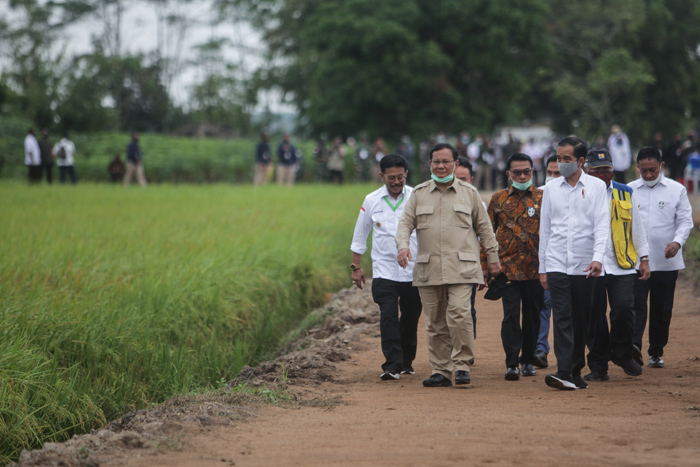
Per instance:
(408,372)
(657,365)
(556,383)
(637,355)
(441,385)
(389,377)
(512,377)
(528,374)
(599,379)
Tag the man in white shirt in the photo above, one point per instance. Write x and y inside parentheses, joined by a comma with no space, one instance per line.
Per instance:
(574,229)
(32,156)
(619,147)
(542,349)
(392,285)
(667,217)
(64,152)
(627,243)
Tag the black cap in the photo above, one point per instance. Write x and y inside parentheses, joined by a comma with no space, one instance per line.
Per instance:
(496,286)
(599,157)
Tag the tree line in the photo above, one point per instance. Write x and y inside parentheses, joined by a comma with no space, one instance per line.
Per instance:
(385,67)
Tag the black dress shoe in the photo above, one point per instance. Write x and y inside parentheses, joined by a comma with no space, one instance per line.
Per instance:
(513,374)
(528,369)
(629,366)
(462,377)
(579,382)
(436,380)
(541,360)
(597,376)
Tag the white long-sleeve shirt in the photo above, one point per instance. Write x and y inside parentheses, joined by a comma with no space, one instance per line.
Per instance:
(667,217)
(619,147)
(69,149)
(378,216)
(639,240)
(574,225)
(32,154)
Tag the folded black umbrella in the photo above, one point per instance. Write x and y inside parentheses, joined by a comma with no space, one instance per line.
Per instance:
(496,286)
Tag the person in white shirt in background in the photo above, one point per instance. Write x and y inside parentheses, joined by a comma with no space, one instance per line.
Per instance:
(542,349)
(64,152)
(392,286)
(628,242)
(619,147)
(667,217)
(574,230)
(32,156)
(536,153)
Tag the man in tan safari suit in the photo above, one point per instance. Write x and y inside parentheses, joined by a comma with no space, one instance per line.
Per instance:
(450,221)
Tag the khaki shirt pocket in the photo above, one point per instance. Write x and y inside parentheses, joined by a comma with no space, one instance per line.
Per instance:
(469,266)
(464,215)
(421,269)
(424,216)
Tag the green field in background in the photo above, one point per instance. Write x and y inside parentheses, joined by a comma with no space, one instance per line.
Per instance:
(115,297)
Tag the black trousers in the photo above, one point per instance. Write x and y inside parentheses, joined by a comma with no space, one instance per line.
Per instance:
(660,288)
(398,334)
(34,173)
(64,170)
(48,169)
(514,337)
(616,341)
(571,308)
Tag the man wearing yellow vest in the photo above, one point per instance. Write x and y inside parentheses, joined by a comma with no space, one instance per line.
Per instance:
(628,243)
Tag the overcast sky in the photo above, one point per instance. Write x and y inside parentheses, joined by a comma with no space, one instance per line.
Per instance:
(138,34)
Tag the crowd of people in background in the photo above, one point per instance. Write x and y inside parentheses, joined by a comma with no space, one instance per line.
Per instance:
(40,156)
(487,155)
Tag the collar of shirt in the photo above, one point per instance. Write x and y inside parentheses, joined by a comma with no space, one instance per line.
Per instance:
(434,185)
(582,180)
(385,193)
(527,192)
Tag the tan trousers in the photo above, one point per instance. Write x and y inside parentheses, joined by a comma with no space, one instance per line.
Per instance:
(285,174)
(448,320)
(261,174)
(138,169)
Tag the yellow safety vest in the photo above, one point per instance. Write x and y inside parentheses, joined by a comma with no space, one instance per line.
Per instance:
(621,226)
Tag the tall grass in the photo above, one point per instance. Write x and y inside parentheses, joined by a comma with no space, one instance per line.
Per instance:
(112,297)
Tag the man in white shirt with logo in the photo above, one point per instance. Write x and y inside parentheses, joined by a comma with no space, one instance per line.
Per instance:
(667,217)
(392,285)
(574,230)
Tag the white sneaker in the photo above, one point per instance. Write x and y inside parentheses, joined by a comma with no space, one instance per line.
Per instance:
(387,376)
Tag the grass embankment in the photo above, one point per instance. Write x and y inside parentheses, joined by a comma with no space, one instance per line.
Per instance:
(112,298)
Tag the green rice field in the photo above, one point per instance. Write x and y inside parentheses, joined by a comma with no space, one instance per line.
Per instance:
(113,297)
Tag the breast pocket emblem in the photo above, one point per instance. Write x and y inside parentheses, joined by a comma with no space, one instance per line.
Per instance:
(661,204)
(530,211)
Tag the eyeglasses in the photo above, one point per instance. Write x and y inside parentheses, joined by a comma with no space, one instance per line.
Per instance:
(520,173)
(445,163)
(396,178)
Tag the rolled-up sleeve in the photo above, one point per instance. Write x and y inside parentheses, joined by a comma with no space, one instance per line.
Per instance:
(407,224)
(684,219)
(363,227)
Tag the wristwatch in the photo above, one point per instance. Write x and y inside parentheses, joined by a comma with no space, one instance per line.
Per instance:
(355,267)
(644,258)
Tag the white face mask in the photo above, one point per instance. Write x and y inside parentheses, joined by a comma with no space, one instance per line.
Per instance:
(549,179)
(652,183)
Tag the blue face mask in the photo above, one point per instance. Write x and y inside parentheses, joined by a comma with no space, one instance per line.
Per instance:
(447,179)
(522,186)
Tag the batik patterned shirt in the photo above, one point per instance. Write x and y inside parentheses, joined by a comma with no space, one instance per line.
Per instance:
(515,216)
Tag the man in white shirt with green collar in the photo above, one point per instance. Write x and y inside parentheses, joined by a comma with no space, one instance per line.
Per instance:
(392,286)
(667,218)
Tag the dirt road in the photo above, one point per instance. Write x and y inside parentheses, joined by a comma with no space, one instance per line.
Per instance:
(650,420)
